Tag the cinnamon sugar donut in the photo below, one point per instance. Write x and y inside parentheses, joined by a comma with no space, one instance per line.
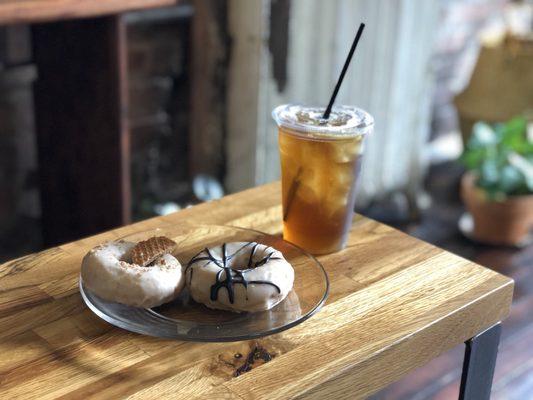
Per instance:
(239,276)
(108,272)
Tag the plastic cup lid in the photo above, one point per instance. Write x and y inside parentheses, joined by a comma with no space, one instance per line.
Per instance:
(344,121)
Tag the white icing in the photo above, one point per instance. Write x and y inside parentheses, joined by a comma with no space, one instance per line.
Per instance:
(107,272)
(262,295)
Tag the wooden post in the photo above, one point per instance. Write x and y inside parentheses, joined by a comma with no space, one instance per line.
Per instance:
(247,81)
(209,54)
(82,131)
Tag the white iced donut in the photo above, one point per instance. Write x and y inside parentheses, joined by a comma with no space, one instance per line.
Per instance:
(239,276)
(108,272)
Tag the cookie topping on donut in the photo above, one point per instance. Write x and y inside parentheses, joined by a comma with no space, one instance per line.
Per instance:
(147,251)
(228,276)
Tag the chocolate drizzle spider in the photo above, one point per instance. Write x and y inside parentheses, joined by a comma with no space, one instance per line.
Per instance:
(227,277)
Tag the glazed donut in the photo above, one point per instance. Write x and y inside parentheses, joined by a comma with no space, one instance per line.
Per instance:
(108,272)
(239,277)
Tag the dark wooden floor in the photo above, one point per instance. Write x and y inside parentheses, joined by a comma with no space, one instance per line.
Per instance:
(439,379)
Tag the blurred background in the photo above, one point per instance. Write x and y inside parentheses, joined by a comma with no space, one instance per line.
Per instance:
(116,111)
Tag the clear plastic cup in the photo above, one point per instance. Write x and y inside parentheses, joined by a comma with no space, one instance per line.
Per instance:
(320,163)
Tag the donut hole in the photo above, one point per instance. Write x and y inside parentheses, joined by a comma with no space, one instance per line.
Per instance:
(243,261)
(126,257)
(241,267)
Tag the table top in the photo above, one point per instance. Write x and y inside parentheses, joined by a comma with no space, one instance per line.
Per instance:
(29,11)
(395,303)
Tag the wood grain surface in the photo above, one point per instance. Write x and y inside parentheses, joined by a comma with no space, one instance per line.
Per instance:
(29,11)
(395,303)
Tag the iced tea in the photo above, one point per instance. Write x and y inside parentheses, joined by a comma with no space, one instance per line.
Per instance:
(319,166)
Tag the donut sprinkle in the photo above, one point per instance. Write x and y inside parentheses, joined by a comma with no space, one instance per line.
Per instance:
(232,276)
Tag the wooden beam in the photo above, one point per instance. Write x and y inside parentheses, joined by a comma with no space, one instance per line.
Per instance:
(209,57)
(30,11)
(258,81)
(83,137)
(247,79)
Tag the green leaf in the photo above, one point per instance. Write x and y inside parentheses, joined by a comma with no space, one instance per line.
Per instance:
(489,172)
(514,134)
(482,135)
(501,156)
(524,165)
(473,158)
(510,179)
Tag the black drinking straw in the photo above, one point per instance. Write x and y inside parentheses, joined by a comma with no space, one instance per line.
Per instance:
(296,180)
(343,72)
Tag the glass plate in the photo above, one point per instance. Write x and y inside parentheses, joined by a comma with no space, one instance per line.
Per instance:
(184,319)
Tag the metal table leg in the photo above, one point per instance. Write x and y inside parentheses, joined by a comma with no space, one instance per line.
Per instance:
(479,363)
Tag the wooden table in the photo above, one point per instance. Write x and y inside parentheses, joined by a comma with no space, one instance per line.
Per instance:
(395,303)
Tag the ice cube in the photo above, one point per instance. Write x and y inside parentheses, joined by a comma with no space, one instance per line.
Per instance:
(344,151)
(307,194)
(336,201)
(342,176)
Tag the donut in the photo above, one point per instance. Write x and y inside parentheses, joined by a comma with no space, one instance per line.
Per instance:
(108,272)
(239,277)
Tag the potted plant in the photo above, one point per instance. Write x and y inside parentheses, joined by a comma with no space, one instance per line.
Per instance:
(497,188)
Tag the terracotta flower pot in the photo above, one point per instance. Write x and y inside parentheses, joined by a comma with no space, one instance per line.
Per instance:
(505,222)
